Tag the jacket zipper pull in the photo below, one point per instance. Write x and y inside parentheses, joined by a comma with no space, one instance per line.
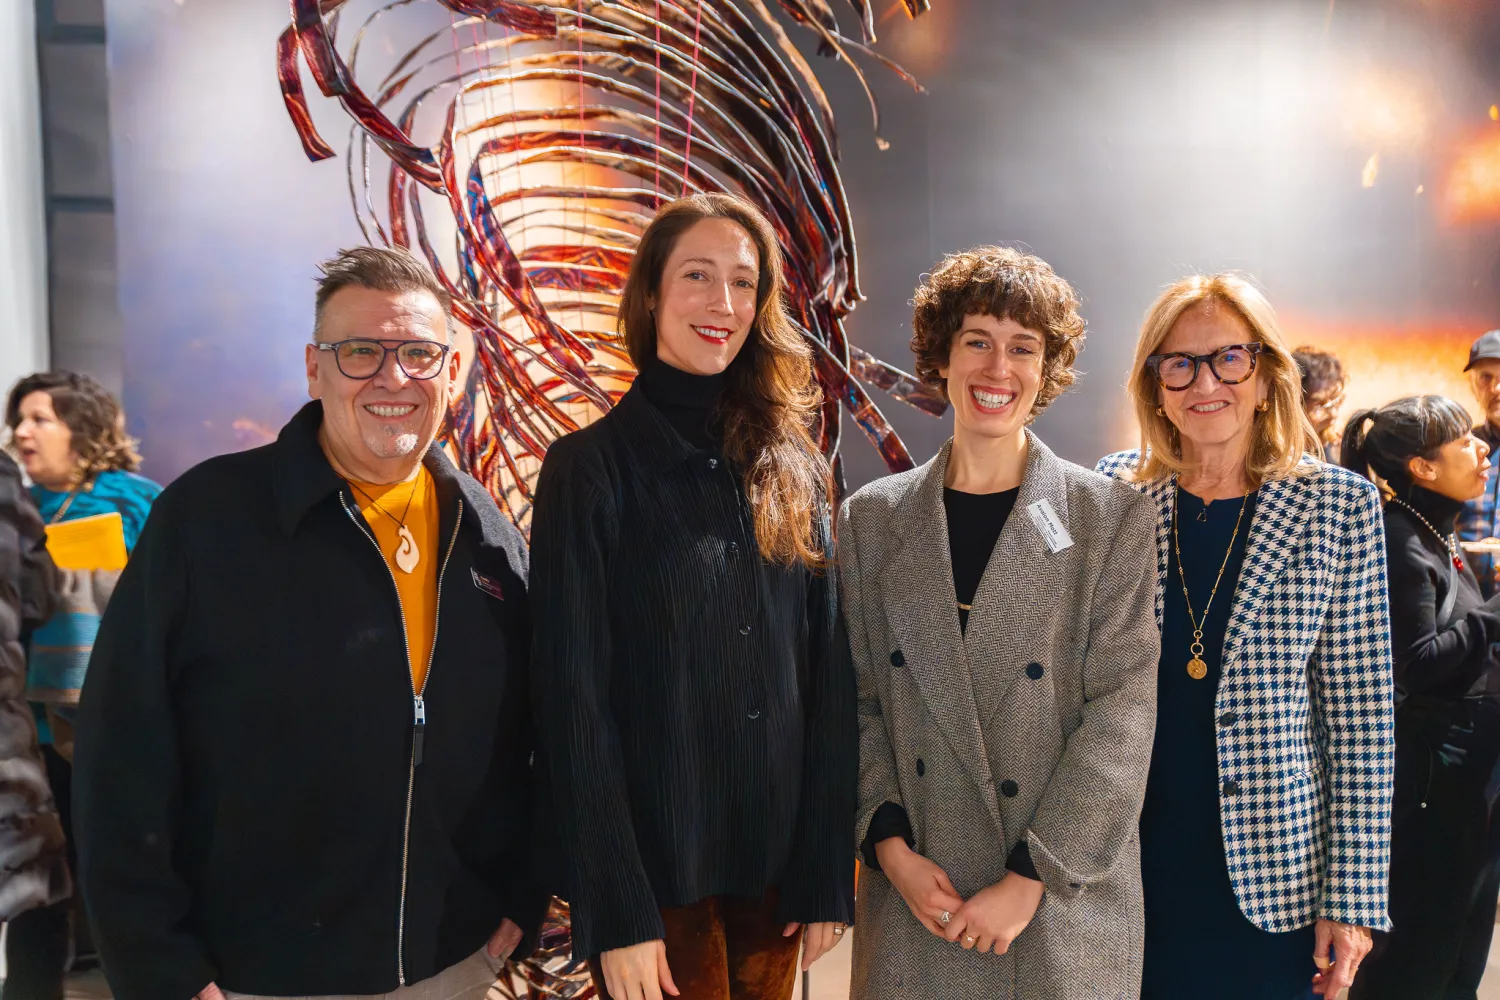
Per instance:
(418,730)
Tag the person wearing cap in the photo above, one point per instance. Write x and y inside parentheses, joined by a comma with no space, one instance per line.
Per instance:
(1478,522)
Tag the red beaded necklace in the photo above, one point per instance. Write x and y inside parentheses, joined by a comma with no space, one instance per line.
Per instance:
(1451,541)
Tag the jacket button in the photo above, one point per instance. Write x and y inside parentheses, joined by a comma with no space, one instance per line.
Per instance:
(713,463)
(1034,671)
(744,630)
(1075,885)
(921,767)
(897,660)
(1229,719)
(754,714)
(1231,787)
(734,549)
(1009,788)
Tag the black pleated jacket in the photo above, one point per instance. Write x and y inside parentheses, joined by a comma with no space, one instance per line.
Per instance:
(696,704)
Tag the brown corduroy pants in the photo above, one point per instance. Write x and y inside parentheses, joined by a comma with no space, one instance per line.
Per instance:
(726,948)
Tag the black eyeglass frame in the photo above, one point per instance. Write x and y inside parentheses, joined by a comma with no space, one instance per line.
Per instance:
(1154,363)
(385,345)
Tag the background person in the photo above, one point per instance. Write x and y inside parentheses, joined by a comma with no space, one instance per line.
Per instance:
(1323,385)
(1445,866)
(34,882)
(1478,521)
(692,681)
(1274,736)
(1006,678)
(68,432)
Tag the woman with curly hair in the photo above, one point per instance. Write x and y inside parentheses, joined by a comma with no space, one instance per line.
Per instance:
(68,434)
(693,691)
(998,602)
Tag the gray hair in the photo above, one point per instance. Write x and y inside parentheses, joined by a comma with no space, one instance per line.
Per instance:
(383,269)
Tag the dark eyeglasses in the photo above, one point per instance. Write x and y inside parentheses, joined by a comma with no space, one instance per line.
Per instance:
(1231,365)
(361,359)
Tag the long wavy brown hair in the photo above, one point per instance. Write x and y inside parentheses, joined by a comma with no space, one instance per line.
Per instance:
(770,398)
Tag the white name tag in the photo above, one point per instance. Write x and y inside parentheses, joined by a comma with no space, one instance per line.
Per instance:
(1051,527)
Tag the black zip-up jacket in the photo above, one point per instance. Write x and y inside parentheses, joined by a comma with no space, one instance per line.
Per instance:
(252,805)
(696,703)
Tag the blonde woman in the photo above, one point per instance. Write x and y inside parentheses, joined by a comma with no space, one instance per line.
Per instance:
(1265,831)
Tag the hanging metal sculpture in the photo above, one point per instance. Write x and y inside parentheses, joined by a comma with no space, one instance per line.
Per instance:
(560,129)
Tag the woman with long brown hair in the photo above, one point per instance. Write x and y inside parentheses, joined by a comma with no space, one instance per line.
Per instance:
(692,682)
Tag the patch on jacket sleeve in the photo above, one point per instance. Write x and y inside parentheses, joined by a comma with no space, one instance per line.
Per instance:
(488,584)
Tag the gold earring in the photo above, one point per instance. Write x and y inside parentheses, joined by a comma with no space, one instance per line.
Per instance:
(1262,406)
(1160,412)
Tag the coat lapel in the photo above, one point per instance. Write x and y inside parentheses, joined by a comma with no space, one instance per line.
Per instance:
(922,613)
(1280,512)
(1018,566)
(1161,493)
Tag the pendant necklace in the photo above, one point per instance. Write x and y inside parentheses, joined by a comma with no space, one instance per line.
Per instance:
(407,553)
(1450,541)
(1197,669)
(63,509)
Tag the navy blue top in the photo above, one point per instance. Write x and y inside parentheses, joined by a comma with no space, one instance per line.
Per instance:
(1195,932)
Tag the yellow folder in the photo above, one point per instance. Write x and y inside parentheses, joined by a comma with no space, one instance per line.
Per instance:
(96,542)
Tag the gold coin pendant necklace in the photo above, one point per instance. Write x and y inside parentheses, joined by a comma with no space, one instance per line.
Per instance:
(1197,669)
(407,554)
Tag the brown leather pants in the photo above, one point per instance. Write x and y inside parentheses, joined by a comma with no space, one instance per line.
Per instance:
(725,948)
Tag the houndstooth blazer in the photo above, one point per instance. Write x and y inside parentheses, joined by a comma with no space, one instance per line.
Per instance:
(1036,723)
(1307,673)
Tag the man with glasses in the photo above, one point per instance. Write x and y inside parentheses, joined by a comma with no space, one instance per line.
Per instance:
(1477,523)
(304,751)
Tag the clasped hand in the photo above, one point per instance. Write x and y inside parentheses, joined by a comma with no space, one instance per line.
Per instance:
(641,972)
(988,922)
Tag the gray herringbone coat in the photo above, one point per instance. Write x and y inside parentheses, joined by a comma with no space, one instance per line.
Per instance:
(1038,723)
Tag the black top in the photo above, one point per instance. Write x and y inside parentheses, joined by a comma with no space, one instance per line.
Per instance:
(1195,928)
(246,741)
(696,703)
(1431,658)
(975,521)
(687,401)
(974,524)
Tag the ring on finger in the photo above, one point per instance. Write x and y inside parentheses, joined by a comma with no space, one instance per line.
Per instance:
(945,918)
(838,930)
(970,939)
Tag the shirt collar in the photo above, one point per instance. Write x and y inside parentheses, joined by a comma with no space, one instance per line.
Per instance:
(652,438)
(304,477)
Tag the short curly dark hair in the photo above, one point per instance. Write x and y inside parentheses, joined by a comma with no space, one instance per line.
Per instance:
(1006,284)
(90,412)
(1319,369)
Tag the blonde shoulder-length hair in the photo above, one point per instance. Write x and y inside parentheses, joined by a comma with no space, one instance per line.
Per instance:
(1282,434)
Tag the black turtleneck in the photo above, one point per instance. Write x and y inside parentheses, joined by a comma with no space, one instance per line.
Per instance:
(685,399)
(1436,659)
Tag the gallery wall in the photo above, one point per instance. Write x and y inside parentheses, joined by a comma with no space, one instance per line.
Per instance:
(1343,154)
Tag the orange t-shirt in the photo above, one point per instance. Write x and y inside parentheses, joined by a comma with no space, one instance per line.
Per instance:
(384,506)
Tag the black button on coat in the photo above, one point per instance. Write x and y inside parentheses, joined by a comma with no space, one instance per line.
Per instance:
(652,649)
